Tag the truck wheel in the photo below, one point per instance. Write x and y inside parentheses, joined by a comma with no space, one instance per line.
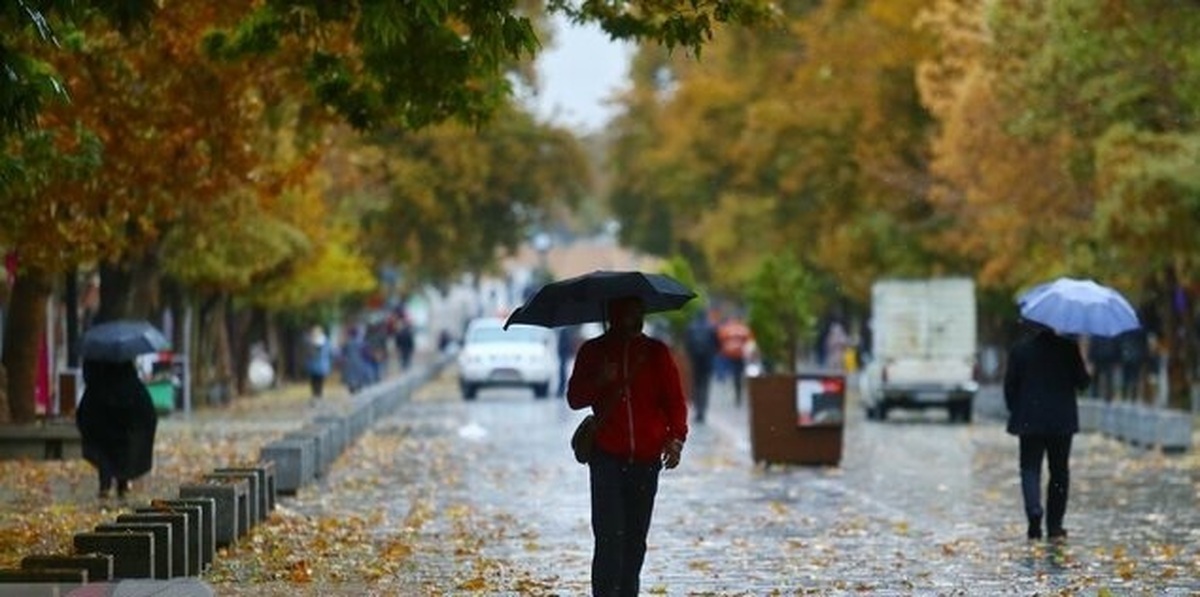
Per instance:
(541,390)
(468,391)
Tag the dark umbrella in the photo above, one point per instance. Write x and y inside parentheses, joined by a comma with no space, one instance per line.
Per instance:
(117,341)
(582,299)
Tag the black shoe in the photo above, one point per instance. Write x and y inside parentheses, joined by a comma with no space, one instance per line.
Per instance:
(122,488)
(1059,534)
(1035,531)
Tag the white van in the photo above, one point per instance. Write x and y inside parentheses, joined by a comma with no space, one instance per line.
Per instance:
(923,347)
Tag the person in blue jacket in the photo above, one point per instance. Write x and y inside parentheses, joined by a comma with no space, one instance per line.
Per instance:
(319,361)
(1044,375)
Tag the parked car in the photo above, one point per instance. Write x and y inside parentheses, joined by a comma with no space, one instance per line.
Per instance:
(521,356)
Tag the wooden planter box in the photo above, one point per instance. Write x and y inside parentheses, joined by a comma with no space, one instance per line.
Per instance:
(776,435)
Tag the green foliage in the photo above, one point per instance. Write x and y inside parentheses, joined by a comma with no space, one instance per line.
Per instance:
(679,268)
(231,247)
(46,228)
(27,80)
(451,196)
(673,24)
(782,298)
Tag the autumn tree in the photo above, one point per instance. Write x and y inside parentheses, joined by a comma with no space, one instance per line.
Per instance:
(446,198)
(179,129)
(180,142)
(1084,115)
(807,138)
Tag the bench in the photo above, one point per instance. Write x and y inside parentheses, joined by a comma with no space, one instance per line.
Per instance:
(44,440)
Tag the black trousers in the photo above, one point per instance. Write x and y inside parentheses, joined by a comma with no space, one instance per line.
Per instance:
(317,384)
(622,504)
(1056,450)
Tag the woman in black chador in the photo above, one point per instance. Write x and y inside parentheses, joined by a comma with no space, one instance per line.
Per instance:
(117,422)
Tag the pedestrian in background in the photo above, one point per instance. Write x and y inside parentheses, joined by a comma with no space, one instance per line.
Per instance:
(631,383)
(319,361)
(1044,376)
(358,369)
(117,423)
(406,342)
(701,343)
(1135,358)
(1104,354)
(568,342)
(733,335)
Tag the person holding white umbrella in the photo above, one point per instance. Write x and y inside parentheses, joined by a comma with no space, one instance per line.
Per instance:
(1045,373)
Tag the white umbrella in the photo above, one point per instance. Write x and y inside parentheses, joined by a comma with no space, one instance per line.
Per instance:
(1074,306)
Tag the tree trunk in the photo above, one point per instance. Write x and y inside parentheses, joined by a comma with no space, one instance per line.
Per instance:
(1176,335)
(212,359)
(245,329)
(115,282)
(71,305)
(128,291)
(25,323)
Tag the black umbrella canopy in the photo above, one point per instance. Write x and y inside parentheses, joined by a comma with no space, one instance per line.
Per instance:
(117,341)
(582,299)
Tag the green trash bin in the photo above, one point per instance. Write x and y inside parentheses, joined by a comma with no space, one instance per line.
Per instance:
(162,394)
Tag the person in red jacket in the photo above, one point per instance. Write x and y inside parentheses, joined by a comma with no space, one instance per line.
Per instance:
(631,383)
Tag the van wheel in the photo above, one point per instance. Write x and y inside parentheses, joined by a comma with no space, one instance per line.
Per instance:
(468,391)
(877,412)
(960,412)
(541,390)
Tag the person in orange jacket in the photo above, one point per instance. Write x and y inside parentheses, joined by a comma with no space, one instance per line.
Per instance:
(631,383)
(733,335)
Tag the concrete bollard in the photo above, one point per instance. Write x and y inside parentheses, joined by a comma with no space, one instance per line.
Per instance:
(191,533)
(265,473)
(340,431)
(360,417)
(225,512)
(161,531)
(1172,430)
(132,552)
(99,566)
(294,461)
(180,555)
(313,439)
(48,582)
(247,513)
(1090,413)
(207,524)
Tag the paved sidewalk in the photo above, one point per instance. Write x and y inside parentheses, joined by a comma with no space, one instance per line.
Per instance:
(454,497)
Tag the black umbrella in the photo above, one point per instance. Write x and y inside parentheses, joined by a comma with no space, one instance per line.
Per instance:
(582,299)
(117,341)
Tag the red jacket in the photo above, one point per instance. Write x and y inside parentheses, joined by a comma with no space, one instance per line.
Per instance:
(638,421)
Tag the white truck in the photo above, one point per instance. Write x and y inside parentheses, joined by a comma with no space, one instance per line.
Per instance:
(923,347)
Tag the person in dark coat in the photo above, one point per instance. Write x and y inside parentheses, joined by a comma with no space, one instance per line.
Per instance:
(702,344)
(1045,374)
(1104,355)
(117,422)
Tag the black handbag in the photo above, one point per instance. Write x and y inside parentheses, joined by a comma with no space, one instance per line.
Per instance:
(584,439)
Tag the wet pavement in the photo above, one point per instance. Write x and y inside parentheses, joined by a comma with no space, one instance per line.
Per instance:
(451,497)
(447,497)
